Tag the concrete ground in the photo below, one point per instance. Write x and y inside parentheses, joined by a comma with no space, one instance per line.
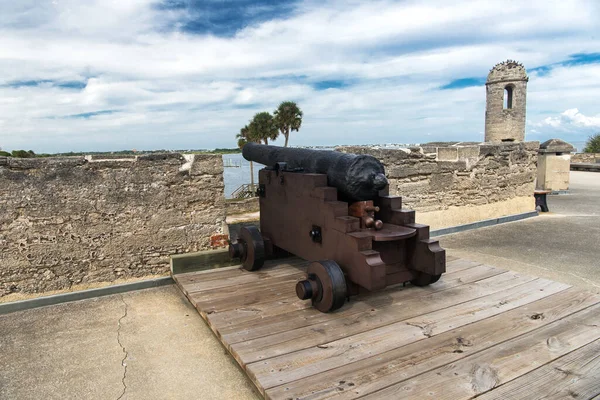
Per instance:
(562,245)
(149,344)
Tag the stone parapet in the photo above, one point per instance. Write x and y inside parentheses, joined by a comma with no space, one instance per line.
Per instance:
(585,158)
(477,175)
(79,220)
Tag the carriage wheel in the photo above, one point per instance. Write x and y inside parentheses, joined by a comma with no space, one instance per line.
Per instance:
(325,286)
(423,279)
(250,248)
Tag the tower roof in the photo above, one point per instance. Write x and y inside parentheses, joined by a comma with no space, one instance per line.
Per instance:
(509,70)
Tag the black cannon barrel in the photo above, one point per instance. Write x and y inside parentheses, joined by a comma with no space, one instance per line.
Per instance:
(356,177)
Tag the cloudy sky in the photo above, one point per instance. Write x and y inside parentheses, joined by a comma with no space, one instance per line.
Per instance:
(100,75)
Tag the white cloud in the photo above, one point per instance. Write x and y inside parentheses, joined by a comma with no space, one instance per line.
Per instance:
(170,89)
(572,117)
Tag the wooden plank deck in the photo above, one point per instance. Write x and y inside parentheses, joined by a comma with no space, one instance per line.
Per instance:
(479,331)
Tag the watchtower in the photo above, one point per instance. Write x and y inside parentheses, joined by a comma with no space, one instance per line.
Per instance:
(506,93)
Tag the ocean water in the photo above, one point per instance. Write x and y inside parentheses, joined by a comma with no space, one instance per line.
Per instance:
(237,172)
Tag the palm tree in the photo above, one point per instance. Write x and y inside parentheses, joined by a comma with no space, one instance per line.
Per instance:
(242,137)
(593,144)
(262,127)
(288,117)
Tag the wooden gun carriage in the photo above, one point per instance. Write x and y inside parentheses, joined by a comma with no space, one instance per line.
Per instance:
(334,209)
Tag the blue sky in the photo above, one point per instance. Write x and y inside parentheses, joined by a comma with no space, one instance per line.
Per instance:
(177,74)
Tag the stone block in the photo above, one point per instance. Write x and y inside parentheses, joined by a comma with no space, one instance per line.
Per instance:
(447,154)
(207,164)
(468,154)
(553,171)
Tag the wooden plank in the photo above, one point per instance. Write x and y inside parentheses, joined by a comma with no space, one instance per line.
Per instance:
(236,270)
(303,322)
(483,371)
(318,334)
(246,277)
(366,376)
(460,264)
(227,272)
(209,273)
(450,257)
(446,319)
(573,376)
(202,260)
(279,322)
(276,290)
(250,346)
(251,315)
(230,320)
(324,356)
(232,292)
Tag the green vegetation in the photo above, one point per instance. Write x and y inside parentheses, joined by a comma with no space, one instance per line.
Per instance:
(593,144)
(288,117)
(262,127)
(23,154)
(243,137)
(4,154)
(225,151)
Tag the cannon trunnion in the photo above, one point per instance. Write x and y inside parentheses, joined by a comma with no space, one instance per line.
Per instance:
(354,246)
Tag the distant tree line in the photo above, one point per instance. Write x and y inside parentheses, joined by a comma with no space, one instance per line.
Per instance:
(19,154)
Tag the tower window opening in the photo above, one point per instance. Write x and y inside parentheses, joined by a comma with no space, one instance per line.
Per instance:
(508,97)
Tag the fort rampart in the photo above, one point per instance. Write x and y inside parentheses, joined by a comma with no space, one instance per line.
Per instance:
(585,158)
(456,184)
(75,221)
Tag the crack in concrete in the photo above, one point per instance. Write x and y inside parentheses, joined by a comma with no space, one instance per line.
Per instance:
(123,363)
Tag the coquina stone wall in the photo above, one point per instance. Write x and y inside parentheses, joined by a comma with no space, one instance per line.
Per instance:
(450,185)
(585,158)
(77,220)
(243,206)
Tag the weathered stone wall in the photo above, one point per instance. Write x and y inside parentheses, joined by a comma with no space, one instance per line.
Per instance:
(461,178)
(585,158)
(244,206)
(76,220)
